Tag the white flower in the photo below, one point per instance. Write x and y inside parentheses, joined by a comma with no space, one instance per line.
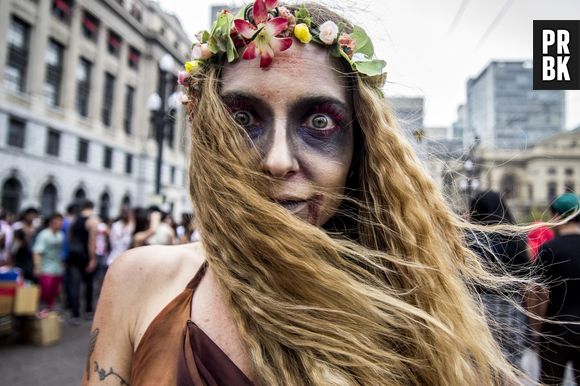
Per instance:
(328,32)
(200,51)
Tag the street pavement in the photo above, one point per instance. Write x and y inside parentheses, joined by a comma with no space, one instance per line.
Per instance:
(58,365)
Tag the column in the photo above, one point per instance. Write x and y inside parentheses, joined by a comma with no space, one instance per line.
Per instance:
(71,61)
(38,43)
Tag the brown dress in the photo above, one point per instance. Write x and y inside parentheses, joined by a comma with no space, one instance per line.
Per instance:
(174,351)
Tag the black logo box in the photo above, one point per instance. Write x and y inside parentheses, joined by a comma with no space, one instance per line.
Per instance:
(573,28)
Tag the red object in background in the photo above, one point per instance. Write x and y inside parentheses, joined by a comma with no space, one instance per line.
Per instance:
(537,237)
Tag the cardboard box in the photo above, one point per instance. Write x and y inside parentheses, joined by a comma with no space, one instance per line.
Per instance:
(26,300)
(6,304)
(41,330)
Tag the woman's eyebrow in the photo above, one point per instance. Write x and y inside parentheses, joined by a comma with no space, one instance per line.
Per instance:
(308,102)
(233,96)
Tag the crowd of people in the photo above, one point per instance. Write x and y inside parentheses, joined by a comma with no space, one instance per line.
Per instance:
(533,314)
(64,253)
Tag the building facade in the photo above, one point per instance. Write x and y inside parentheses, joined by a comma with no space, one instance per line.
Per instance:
(75,79)
(533,178)
(504,112)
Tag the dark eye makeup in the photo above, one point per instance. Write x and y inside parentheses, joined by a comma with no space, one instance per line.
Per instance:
(321,118)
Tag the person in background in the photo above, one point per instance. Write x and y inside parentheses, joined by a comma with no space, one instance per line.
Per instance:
(559,263)
(6,237)
(29,222)
(183,230)
(146,223)
(21,255)
(120,234)
(164,233)
(48,266)
(68,219)
(101,250)
(501,252)
(81,261)
(537,237)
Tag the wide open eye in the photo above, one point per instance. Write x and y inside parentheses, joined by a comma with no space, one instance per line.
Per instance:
(320,121)
(243,118)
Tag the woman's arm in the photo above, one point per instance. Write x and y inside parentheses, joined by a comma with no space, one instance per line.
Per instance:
(110,348)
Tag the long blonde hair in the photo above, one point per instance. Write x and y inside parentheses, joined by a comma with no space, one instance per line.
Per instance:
(385,302)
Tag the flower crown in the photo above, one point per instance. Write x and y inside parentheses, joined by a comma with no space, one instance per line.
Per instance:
(265,29)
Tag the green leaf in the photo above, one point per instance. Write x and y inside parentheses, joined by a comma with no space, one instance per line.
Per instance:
(370,67)
(363,43)
(204,36)
(303,16)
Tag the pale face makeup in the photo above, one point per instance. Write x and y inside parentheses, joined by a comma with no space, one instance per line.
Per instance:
(298,113)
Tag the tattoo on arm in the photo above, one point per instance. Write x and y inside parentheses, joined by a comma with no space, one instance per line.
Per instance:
(92,343)
(103,374)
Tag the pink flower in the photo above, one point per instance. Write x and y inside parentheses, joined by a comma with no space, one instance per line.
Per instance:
(285,12)
(264,33)
(346,44)
(200,51)
(182,76)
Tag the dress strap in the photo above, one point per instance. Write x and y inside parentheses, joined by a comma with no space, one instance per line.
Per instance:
(192,285)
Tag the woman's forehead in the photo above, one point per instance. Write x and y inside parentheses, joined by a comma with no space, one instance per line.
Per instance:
(300,70)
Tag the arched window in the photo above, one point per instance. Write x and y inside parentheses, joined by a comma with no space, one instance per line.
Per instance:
(126,201)
(11,195)
(80,195)
(105,206)
(48,200)
(508,185)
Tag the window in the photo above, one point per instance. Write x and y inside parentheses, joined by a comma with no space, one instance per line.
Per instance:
(83,151)
(16,132)
(108,96)
(552,191)
(108,158)
(17,61)
(128,163)
(52,83)
(61,9)
(105,206)
(128,120)
(53,143)
(172,175)
(569,187)
(134,57)
(114,43)
(48,200)
(90,26)
(83,86)
(12,195)
(551,171)
(569,172)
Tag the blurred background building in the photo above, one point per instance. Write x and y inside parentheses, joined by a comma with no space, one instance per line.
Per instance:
(507,137)
(77,78)
(504,112)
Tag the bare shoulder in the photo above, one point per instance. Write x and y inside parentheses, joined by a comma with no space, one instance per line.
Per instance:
(137,287)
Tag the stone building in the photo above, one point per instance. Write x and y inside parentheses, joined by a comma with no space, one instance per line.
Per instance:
(531,179)
(75,78)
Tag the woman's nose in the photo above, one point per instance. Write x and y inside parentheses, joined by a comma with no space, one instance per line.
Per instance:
(279,158)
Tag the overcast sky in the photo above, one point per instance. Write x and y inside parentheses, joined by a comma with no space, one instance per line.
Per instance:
(433,47)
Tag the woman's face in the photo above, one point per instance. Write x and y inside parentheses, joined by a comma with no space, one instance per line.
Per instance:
(298,113)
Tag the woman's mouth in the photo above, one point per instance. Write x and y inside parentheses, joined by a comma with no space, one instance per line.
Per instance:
(293,205)
(307,209)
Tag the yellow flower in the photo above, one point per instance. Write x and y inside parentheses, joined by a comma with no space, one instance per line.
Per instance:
(302,33)
(193,66)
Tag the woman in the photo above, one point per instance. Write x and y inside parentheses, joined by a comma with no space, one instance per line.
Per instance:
(502,252)
(327,255)
(48,266)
